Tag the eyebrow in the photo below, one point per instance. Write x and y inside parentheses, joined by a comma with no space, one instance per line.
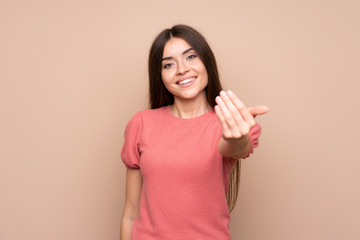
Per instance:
(184,52)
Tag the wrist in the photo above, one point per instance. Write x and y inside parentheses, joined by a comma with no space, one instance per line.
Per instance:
(235,148)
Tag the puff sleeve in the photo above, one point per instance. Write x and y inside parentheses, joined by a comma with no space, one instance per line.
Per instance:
(254,135)
(130,153)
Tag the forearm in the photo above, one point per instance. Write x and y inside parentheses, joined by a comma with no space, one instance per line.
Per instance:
(132,203)
(125,230)
(235,149)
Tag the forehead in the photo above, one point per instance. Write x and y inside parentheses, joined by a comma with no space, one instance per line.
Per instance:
(175,46)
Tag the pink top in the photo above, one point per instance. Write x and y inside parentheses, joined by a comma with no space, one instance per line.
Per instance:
(184,176)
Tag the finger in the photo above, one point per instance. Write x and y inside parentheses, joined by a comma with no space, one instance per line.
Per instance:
(232,109)
(225,111)
(221,118)
(247,116)
(258,110)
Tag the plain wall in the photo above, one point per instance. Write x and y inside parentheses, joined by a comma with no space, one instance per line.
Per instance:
(73,73)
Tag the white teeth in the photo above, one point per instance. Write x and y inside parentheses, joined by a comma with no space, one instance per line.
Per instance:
(186,81)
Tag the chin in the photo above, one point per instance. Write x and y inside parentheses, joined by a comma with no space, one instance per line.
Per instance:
(189,96)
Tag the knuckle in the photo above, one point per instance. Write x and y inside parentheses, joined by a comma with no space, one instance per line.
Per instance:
(245,132)
(237,134)
(227,135)
(245,129)
(252,123)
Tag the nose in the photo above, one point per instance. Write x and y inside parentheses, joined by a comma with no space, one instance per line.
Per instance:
(182,68)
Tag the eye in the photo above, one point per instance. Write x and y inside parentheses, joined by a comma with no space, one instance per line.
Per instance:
(191,56)
(168,65)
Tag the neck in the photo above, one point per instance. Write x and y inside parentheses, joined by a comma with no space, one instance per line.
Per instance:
(183,108)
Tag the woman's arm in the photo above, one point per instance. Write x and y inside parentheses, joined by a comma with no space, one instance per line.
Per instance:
(236,121)
(235,150)
(132,202)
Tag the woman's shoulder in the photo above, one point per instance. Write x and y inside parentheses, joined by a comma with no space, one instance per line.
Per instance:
(148,114)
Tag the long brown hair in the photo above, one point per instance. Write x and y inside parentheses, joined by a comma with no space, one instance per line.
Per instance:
(160,96)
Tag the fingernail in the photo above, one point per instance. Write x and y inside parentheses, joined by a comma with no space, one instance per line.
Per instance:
(230,92)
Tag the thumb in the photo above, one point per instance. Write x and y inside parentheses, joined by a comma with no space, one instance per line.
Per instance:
(258,110)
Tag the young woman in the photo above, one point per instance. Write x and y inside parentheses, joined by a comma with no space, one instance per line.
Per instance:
(182,155)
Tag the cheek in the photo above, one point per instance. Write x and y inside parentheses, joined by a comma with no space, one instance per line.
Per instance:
(200,68)
(167,76)
(164,77)
(204,73)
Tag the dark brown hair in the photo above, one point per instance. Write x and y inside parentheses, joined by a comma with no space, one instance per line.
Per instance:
(160,96)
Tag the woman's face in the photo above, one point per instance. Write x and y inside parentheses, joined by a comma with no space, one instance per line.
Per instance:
(183,73)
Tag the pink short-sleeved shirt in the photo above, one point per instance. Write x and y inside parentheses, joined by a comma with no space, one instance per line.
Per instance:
(184,176)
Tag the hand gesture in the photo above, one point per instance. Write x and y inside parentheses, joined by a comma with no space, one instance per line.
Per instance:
(235,118)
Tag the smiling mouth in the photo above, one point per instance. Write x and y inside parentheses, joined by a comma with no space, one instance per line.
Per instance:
(185,81)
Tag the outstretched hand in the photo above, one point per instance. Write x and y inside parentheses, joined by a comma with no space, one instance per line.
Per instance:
(236,119)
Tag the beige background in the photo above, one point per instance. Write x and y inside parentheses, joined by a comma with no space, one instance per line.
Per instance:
(73,72)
